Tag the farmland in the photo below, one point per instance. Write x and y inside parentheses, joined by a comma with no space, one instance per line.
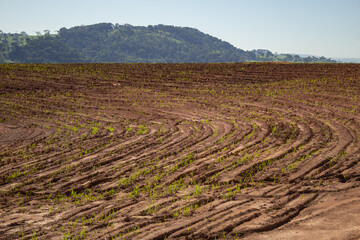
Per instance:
(180,151)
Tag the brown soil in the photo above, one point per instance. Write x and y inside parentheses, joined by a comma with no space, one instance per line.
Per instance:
(180,151)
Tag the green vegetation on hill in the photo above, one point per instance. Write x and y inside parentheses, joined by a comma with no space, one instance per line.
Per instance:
(125,43)
(9,41)
(45,49)
(105,42)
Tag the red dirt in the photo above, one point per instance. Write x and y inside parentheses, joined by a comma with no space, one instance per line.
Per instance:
(180,151)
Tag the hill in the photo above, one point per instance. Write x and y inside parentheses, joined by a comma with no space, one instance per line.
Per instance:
(106,42)
(348,60)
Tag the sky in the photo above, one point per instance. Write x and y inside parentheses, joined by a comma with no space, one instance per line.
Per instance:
(329,28)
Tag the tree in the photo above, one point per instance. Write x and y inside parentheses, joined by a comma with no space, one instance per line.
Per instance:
(45,49)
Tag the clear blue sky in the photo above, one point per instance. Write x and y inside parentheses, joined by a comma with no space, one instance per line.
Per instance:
(329,28)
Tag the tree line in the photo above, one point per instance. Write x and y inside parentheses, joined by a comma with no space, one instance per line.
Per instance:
(106,42)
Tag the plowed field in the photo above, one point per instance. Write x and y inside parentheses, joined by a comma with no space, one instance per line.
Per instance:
(180,151)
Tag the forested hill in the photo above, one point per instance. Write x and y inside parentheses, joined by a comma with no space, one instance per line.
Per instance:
(105,42)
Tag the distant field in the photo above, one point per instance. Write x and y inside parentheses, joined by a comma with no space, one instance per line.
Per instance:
(180,151)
